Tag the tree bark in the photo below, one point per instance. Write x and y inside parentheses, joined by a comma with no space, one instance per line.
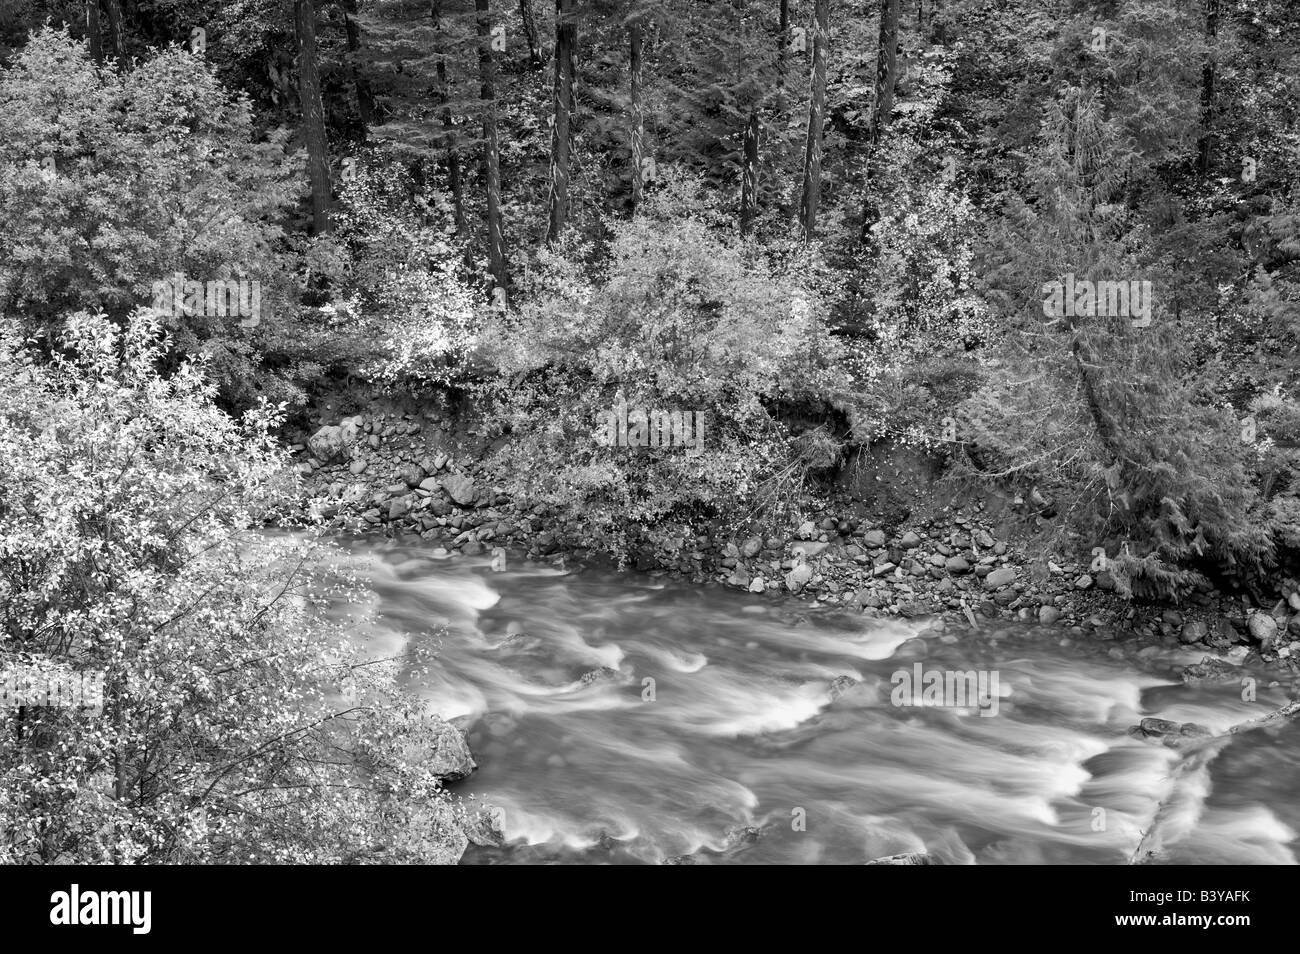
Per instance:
(93,36)
(365,96)
(1207,89)
(116,29)
(886,78)
(491,150)
(313,114)
(749,174)
(566,37)
(455,180)
(530,34)
(636,70)
(783,41)
(812,163)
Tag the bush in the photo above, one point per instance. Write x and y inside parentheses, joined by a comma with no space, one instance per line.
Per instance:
(679,316)
(236,726)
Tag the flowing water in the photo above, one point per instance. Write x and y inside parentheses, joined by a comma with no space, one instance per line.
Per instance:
(710,727)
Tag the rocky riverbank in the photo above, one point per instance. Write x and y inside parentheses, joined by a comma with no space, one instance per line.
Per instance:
(397,470)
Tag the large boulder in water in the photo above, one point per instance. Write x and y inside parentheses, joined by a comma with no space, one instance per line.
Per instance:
(441,748)
(921,857)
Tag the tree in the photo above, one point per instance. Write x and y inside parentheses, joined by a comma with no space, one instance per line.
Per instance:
(531,36)
(636,77)
(566,39)
(812,164)
(882,105)
(1207,88)
(313,114)
(491,150)
(235,724)
(365,97)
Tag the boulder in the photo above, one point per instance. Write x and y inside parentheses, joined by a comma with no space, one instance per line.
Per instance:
(1263,628)
(1000,577)
(460,488)
(440,747)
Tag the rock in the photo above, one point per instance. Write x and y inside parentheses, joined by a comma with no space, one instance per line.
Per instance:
(757,585)
(739,578)
(875,539)
(840,685)
(1294,601)
(332,443)
(398,507)
(1155,728)
(984,539)
(913,609)
(798,578)
(1194,631)
(957,565)
(357,467)
(1263,628)
(440,747)
(1083,582)
(921,857)
(1048,615)
(460,488)
(910,540)
(472,548)
(751,547)
(1000,577)
(485,827)
(1172,617)
(412,475)
(807,530)
(431,484)
(1105,580)
(603,674)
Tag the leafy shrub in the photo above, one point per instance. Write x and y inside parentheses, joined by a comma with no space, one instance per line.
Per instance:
(234,718)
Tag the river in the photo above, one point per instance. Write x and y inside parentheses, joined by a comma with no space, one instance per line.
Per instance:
(722,731)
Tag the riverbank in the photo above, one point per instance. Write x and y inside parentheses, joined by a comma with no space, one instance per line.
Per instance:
(890,544)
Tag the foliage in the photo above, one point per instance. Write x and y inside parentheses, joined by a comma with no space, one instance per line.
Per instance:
(237,726)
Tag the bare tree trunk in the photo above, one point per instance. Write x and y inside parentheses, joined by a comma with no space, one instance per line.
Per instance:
(1207,88)
(313,114)
(365,97)
(93,36)
(749,174)
(566,36)
(886,78)
(530,34)
(636,70)
(491,150)
(455,181)
(812,163)
(783,41)
(116,29)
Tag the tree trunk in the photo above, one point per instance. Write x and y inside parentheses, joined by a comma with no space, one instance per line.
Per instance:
(636,69)
(783,42)
(749,174)
(116,29)
(365,96)
(92,31)
(455,181)
(530,34)
(566,36)
(313,114)
(812,163)
(491,150)
(886,78)
(1207,88)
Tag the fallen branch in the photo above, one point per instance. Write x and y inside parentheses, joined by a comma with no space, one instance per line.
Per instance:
(1195,763)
